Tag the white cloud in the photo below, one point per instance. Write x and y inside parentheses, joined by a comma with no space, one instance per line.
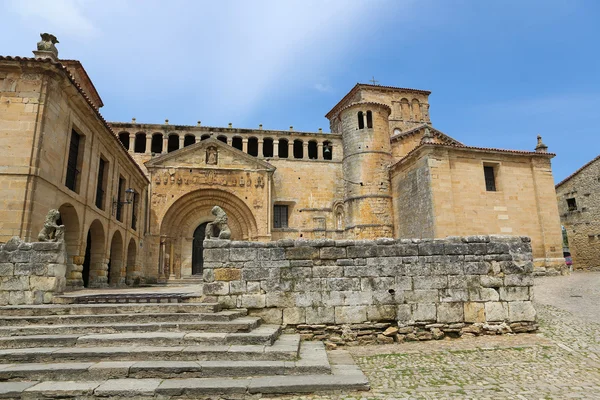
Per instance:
(63,17)
(323,88)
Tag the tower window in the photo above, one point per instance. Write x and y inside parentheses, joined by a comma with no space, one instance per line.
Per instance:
(253,146)
(134,211)
(222,138)
(361,121)
(327,150)
(172,143)
(283,148)
(101,183)
(120,193)
(298,149)
(237,143)
(572,204)
(312,150)
(73,162)
(139,146)
(490,178)
(157,143)
(189,140)
(280,216)
(369,119)
(124,138)
(268,147)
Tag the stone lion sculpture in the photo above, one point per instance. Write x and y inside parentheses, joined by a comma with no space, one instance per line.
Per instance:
(219,225)
(52,232)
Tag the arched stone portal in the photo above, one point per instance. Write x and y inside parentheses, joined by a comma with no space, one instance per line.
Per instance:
(70,220)
(197,249)
(94,265)
(116,276)
(192,210)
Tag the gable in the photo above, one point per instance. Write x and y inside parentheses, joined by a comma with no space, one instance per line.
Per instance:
(210,154)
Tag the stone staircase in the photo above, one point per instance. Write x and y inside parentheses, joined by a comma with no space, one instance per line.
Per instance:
(158,347)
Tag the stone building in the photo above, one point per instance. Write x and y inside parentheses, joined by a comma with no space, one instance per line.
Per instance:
(382,171)
(578,198)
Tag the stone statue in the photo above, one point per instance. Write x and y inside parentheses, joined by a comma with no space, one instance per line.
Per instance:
(47,43)
(52,232)
(211,156)
(219,224)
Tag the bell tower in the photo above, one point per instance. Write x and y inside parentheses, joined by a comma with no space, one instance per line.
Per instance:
(367,155)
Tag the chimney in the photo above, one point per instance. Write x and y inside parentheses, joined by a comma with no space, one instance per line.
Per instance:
(541,147)
(46,48)
(199,123)
(133,120)
(260,127)
(291,128)
(166,122)
(320,130)
(230,125)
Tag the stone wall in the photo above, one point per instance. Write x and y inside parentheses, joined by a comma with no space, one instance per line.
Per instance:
(419,288)
(30,273)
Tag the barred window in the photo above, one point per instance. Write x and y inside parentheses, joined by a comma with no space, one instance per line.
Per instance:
(490,178)
(280,216)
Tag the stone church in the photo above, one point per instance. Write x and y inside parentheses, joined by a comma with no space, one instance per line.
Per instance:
(135,198)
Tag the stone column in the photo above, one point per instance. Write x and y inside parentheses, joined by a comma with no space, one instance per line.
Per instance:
(165,143)
(131,142)
(304,150)
(260,148)
(196,139)
(181,140)
(228,140)
(291,149)
(422,109)
(148,143)
(320,151)
(245,145)
(276,148)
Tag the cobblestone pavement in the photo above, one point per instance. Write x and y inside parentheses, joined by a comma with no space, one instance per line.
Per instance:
(561,361)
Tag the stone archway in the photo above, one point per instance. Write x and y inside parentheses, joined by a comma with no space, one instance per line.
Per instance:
(116,277)
(70,220)
(94,264)
(193,209)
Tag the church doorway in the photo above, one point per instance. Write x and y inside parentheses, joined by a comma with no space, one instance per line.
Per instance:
(197,248)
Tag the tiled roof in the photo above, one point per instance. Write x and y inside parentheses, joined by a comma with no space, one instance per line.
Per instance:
(62,67)
(578,171)
(358,86)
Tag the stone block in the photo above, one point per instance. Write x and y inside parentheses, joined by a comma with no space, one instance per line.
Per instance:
(208,275)
(228,274)
(387,297)
(20,283)
(4,298)
(521,311)
(403,283)
(296,272)
(216,288)
(488,281)
(333,298)
(484,294)
(431,248)
(308,284)
(294,315)
(343,284)
(354,298)
(448,313)
(447,268)
(255,300)
(21,297)
(237,287)
(404,313)
(381,312)
(24,256)
(518,280)
(275,264)
(456,248)
(350,314)
(516,267)
(373,283)
(221,255)
(328,271)
(43,283)
(360,271)
(257,274)
(332,253)
(46,257)
(253,287)
(477,248)
(46,246)
(477,268)
(421,296)
(494,247)
(243,254)
(4,257)
(495,311)
(430,282)
(361,251)
(280,299)
(308,299)
(301,263)
(514,293)
(301,253)
(263,254)
(474,312)
(320,315)
(454,295)
(60,270)
(7,269)
(424,312)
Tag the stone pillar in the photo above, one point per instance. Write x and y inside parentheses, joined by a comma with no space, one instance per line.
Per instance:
(245,145)
(422,109)
(165,143)
(196,139)
(131,142)
(148,143)
(320,151)
(181,140)
(291,149)
(304,150)
(276,148)
(228,140)
(260,148)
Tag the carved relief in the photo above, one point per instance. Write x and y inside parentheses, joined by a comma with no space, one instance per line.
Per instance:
(212,155)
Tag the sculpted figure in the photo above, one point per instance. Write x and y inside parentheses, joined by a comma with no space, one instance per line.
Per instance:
(219,225)
(52,232)
(211,156)
(47,43)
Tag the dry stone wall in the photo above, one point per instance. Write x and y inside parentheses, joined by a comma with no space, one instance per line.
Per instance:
(378,290)
(31,273)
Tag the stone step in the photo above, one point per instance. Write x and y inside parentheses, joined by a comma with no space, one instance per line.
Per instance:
(93,309)
(22,321)
(127,298)
(313,360)
(242,324)
(285,348)
(343,377)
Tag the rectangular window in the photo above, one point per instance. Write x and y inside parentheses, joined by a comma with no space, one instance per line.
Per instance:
(490,178)
(134,212)
(101,183)
(280,216)
(572,204)
(120,192)
(72,161)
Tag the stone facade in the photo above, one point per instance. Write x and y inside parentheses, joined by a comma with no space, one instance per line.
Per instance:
(447,284)
(31,273)
(578,198)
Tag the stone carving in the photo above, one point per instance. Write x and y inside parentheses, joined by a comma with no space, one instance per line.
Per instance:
(52,232)
(219,225)
(211,155)
(47,43)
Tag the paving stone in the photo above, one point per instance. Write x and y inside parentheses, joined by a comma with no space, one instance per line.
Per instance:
(198,386)
(61,389)
(11,390)
(127,387)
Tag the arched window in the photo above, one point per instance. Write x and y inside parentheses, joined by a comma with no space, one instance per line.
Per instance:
(312,150)
(283,148)
(222,138)
(369,119)
(189,140)
(157,143)
(361,121)
(253,146)
(124,139)
(339,217)
(173,143)
(139,146)
(298,149)
(268,147)
(327,150)
(204,137)
(237,143)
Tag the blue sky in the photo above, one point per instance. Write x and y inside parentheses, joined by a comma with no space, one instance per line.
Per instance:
(501,72)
